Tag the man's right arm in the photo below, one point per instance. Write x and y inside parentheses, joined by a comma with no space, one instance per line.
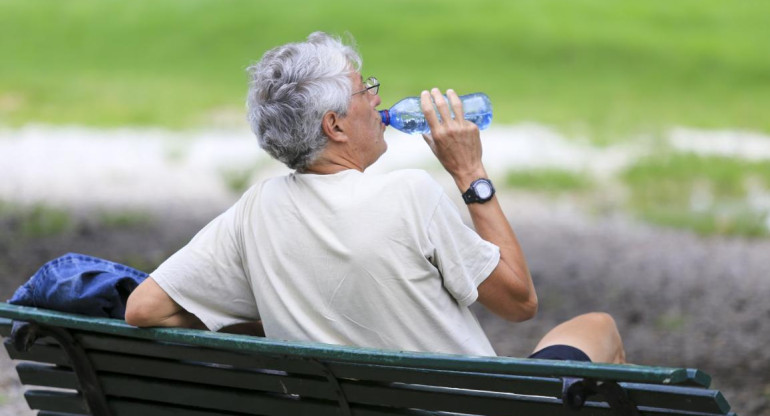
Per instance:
(149,305)
(508,291)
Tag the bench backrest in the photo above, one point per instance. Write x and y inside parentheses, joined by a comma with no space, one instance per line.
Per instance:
(106,367)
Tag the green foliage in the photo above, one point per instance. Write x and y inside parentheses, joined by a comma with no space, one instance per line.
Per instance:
(39,220)
(548,180)
(709,194)
(238,180)
(141,262)
(743,222)
(671,321)
(124,219)
(607,68)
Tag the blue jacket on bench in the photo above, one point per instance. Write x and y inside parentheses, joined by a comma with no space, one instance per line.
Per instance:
(81,284)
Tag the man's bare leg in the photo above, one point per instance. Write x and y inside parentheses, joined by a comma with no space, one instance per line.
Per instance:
(593,333)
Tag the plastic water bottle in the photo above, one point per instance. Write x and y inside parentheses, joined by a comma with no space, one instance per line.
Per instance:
(406,115)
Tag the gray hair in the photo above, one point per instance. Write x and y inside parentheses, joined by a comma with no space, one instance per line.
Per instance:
(291,89)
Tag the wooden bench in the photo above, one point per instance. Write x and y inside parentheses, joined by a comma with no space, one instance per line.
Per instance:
(94,366)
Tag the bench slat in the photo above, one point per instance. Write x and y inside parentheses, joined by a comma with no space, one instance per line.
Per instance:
(435,399)
(56,401)
(541,386)
(692,399)
(233,400)
(119,407)
(47,376)
(149,348)
(134,408)
(47,413)
(487,403)
(697,399)
(50,354)
(214,376)
(251,345)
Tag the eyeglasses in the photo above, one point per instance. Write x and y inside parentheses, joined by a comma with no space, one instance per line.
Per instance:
(371,84)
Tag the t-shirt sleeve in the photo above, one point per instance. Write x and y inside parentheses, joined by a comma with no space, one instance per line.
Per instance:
(207,276)
(464,259)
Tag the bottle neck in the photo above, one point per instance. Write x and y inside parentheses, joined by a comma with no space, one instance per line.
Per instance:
(385,116)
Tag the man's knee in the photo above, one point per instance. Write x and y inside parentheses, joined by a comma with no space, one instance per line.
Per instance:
(602,323)
(597,320)
(609,327)
(600,319)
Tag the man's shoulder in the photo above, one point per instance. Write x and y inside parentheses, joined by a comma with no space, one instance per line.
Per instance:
(272,183)
(412,177)
(415,185)
(252,194)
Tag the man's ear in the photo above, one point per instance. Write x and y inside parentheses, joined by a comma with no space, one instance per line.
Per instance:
(330,124)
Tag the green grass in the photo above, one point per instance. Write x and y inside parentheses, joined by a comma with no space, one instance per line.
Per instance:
(37,220)
(671,322)
(604,69)
(711,195)
(124,218)
(548,180)
(238,180)
(41,220)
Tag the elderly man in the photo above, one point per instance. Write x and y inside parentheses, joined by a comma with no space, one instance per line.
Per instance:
(330,253)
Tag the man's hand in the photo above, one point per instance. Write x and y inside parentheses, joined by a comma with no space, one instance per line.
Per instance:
(455,142)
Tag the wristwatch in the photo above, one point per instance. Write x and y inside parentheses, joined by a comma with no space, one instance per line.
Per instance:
(481,191)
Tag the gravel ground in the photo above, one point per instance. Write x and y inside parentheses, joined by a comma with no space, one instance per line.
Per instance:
(679,300)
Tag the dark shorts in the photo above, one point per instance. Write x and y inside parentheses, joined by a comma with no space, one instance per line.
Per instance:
(561,352)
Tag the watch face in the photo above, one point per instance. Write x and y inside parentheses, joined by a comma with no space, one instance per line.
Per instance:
(483,190)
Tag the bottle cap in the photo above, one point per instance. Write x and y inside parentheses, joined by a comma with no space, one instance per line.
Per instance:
(385,115)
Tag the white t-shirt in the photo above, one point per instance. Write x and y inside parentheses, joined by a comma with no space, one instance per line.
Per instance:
(352,258)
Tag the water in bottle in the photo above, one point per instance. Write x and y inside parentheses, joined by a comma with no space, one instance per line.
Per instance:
(406,115)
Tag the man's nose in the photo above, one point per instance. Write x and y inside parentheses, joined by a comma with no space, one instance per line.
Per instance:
(377,100)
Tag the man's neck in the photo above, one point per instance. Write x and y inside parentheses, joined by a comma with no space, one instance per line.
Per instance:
(330,163)
(326,169)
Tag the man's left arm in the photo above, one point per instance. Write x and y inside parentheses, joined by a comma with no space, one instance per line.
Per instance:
(149,305)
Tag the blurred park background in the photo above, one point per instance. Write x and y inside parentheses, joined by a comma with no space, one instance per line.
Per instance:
(680,89)
(594,71)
